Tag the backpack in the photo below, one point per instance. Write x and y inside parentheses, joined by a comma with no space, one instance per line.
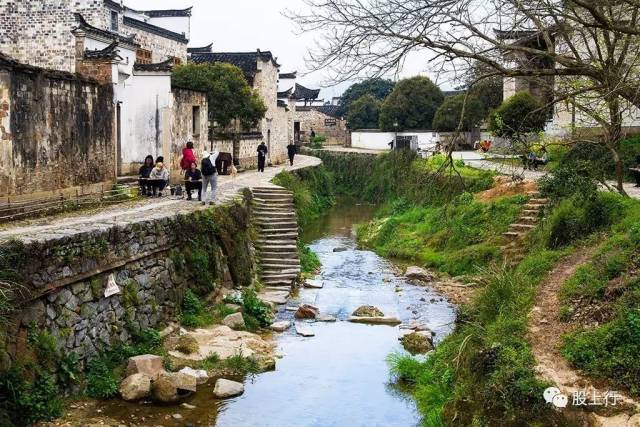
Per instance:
(207,167)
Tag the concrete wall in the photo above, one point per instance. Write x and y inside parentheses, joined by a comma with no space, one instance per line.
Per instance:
(310,118)
(378,140)
(56,131)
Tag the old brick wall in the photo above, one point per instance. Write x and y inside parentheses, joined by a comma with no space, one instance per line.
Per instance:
(311,118)
(266,84)
(247,145)
(161,47)
(65,278)
(38,32)
(60,131)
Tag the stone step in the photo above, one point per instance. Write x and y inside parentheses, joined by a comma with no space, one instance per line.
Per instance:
(531,212)
(275,282)
(274,214)
(276,231)
(263,243)
(276,224)
(284,254)
(270,189)
(269,279)
(526,219)
(270,208)
(512,234)
(268,238)
(521,227)
(533,193)
(278,200)
(280,261)
(280,272)
(539,201)
(282,268)
(278,248)
(532,207)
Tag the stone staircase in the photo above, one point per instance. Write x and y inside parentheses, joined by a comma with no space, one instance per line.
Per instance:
(275,220)
(513,251)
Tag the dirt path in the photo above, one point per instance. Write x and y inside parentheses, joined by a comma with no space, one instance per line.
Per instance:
(545,335)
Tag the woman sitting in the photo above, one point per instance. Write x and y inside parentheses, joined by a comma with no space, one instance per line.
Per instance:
(193,181)
(143,176)
(159,178)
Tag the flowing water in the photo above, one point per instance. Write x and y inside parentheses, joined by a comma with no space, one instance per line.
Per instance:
(339,377)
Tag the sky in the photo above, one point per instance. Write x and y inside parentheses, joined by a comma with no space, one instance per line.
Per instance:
(247,25)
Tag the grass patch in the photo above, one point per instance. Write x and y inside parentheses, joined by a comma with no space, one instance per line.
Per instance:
(456,238)
(309,261)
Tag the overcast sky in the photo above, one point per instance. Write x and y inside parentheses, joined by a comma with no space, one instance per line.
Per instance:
(247,25)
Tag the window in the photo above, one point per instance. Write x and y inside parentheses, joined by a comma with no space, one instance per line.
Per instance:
(176,61)
(196,120)
(143,56)
(114,21)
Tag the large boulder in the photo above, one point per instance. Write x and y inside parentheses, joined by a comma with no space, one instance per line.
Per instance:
(234,321)
(419,274)
(368,311)
(170,387)
(306,311)
(280,326)
(147,364)
(417,342)
(135,387)
(226,388)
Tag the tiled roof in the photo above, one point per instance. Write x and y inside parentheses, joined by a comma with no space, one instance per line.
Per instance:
(302,92)
(7,60)
(285,94)
(144,26)
(329,110)
(87,28)
(160,66)
(167,13)
(288,76)
(246,61)
(281,103)
(109,52)
(203,49)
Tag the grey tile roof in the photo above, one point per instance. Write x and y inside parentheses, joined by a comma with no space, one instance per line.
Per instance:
(168,12)
(160,66)
(109,52)
(287,76)
(246,61)
(87,28)
(203,49)
(154,29)
(302,92)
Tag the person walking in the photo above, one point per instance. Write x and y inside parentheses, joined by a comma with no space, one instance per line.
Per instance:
(209,176)
(193,181)
(262,156)
(188,156)
(143,176)
(291,151)
(636,171)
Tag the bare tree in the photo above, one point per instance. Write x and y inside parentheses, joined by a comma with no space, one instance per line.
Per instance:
(583,54)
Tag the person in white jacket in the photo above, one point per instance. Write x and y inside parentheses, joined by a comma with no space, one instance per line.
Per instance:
(209,176)
(159,178)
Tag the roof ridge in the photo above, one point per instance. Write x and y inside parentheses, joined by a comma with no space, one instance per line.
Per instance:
(163,32)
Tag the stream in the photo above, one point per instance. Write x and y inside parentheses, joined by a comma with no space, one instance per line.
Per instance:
(339,377)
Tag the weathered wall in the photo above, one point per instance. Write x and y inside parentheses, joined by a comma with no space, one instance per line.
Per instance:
(161,47)
(38,32)
(272,125)
(58,131)
(247,153)
(152,262)
(182,124)
(310,118)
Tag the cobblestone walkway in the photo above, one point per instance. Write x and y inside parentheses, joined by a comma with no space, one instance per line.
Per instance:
(44,229)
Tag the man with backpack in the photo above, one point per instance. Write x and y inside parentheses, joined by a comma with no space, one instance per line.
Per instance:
(209,176)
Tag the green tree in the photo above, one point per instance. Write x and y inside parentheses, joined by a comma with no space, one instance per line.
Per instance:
(447,117)
(364,113)
(228,93)
(412,104)
(519,116)
(378,88)
(488,90)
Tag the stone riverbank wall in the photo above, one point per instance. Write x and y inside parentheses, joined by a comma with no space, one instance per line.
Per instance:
(63,281)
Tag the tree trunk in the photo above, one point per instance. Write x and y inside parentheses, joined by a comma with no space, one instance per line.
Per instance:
(613,140)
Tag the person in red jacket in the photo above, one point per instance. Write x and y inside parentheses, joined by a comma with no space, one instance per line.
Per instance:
(188,156)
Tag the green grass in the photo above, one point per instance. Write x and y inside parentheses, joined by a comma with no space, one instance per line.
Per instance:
(456,238)
(483,374)
(609,351)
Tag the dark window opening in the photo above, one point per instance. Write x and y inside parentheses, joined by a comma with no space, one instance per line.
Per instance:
(143,56)
(196,120)
(114,20)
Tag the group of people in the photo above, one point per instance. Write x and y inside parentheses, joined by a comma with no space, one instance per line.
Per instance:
(153,177)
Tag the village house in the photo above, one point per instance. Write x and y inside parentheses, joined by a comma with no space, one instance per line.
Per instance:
(261,70)
(309,113)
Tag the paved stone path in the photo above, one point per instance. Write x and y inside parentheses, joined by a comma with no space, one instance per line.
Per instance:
(44,229)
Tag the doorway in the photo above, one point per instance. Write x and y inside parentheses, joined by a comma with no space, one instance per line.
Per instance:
(118,139)
(296,132)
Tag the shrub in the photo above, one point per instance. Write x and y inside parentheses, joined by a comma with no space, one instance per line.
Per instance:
(448,115)
(317,141)
(568,180)
(27,402)
(255,310)
(363,113)
(309,261)
(102,382)
(194,313)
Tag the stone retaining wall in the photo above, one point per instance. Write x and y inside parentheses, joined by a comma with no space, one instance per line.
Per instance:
(152,262)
